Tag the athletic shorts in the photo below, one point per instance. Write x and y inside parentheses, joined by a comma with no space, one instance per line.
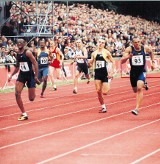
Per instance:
(42,72)
(27,78)
(82,67)
(55,64)
(101,77)
(134,77)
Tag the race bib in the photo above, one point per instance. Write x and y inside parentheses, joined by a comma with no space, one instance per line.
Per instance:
(137,60)
(44,60)
(24,66)
(80,60)
(54,56)
(100,64)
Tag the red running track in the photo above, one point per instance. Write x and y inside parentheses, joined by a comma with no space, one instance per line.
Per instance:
(67,128)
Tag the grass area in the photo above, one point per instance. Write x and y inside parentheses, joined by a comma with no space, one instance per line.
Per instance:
(60,83)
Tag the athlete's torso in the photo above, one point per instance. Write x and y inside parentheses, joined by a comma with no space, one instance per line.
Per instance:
(100,65)
(42,58)
(80,53)
(55,59)
(138,61)
(25,64)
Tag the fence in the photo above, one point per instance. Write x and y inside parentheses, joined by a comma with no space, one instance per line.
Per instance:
(5,74)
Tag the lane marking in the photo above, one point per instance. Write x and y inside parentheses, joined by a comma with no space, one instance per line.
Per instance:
(26,101)
(96,142)
(146,156)
(67,129)
(70,113)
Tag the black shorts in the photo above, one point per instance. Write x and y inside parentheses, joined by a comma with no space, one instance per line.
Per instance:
(101,77)
(27,78)
(83,67)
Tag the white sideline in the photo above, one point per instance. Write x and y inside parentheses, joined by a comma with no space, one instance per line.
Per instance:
(146,156)
(70,128)
(67,103)
(73,112)
(94,143)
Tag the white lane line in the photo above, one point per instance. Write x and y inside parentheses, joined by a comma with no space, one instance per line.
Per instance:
(71,102)
(48,92)
(26,101)
(62,130)
(62,104)
(111,154)
(48,118)
(67,129)
(146,156)
(96,142)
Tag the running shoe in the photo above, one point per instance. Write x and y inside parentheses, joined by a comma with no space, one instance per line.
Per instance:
(103,110)
(54,88)
(146,86)
(74,91)
(22,118)
(88,81)
(41,96)
(135,112)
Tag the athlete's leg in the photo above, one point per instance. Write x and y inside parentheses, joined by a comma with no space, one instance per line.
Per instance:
(105,88)
(77,75)
(44,85)
(140,85)
(31,94)
(98,85)
(18,90)
(88,77)
(44,79)
(58,73)
(51,73)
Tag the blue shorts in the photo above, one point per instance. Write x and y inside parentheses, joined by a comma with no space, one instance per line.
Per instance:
(134,77)
(42,72)
(27,78)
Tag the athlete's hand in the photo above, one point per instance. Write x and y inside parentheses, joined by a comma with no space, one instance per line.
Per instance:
(10,78)
(153,65)
(89,65)
(72,62)
(110,76)
(130,56)
(37,80)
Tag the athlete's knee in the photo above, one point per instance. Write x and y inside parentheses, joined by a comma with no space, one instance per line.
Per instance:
(98,91)
(45,82)
(106,93)
(18,95)
(139,89)
(31,98)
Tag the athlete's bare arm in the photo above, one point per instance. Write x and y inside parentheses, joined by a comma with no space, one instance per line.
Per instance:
(151,54)
(35,64)
(110,58)
(61,54)
(91,61)
(127,55)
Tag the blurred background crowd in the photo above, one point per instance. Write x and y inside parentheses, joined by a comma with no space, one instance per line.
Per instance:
(65,23)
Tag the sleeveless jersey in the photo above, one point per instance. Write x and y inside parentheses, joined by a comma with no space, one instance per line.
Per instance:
(25,64)
(79,52)
(56,59)
(138,60)
(42,58)
(101,65)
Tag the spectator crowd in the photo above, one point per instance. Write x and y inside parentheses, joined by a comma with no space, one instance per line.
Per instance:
(66,24)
